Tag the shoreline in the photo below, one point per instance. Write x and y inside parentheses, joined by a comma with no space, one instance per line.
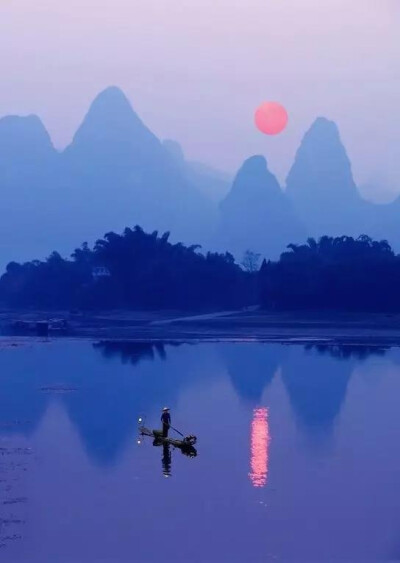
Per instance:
(322,328)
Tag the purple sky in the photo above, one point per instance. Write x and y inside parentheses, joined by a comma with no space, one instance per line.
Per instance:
(195,70)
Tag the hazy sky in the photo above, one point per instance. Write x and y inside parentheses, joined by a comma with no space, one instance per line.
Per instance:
(195,70)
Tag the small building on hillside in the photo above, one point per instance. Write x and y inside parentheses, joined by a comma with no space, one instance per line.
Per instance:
(100,272)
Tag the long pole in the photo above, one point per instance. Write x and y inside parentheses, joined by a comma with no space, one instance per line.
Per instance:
(177,431)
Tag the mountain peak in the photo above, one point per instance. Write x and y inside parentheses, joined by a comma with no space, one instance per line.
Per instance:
(322,154)
(323,134)
(254,179)
(27,123)
(111,97)
(23,133)
(111,107)
(256,164)
(320,183)
(111,126)
(323,123)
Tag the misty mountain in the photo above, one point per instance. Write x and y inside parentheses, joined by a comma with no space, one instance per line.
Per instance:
(213,183)
(118,168)
(321,187)
(28,165)
(117,173)
(385,224)
(256,214)
(26,150)
(114,173)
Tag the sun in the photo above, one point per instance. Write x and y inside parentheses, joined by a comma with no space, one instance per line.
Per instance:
(271,118)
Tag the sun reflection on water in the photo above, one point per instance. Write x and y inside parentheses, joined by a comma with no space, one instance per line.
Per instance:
(259,447)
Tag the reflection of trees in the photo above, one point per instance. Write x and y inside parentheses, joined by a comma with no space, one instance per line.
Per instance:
(132,352)
(252,367)
(347,351)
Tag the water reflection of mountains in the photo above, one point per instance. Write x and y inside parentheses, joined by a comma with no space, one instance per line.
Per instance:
(316,385)
(103,404)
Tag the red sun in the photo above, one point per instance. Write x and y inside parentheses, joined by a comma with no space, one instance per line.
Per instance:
(271,118)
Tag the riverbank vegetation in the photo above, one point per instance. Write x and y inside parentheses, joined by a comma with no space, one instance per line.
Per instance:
(132,270)
(139,270)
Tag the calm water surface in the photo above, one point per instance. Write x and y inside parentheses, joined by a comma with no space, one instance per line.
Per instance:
(298,454)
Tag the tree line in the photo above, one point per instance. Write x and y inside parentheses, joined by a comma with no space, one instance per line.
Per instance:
(131,270)
(141,270)
(340,273)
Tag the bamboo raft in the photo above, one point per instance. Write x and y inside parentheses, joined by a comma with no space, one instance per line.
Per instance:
(186,446)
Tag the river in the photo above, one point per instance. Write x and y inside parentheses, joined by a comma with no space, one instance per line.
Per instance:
(297,454)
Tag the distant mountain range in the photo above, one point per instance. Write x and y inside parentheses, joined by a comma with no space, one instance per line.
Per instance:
(320,198)
(117,173)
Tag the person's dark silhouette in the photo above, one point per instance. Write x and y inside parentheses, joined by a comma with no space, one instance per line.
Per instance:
(166,421)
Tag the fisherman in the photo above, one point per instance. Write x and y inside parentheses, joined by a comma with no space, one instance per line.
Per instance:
(166,421)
